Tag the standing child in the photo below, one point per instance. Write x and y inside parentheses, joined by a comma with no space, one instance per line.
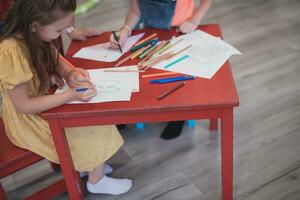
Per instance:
(28,61)
(163,14)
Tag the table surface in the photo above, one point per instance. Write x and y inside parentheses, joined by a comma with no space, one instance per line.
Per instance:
(215,93)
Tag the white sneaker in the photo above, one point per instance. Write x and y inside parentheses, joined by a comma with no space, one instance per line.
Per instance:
(108,185)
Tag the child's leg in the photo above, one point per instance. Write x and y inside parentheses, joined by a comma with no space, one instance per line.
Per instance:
(100,184)
(96,175)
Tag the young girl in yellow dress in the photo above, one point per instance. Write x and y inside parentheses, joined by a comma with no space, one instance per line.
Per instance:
(29,65)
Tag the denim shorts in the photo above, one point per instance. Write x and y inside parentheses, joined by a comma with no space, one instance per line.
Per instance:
(156,13)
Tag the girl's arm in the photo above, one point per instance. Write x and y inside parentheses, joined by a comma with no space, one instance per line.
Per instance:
(26,104)
(131,20)
(192,23)
(133,15)
(82,34)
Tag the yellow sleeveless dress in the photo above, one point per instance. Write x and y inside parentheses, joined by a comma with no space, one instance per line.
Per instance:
(89,146)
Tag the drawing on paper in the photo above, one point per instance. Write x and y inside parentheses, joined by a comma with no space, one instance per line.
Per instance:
(107,86)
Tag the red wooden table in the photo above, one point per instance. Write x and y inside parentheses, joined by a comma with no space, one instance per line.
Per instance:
(199,99)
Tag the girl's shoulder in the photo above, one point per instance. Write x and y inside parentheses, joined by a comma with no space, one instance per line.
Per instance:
(11,44)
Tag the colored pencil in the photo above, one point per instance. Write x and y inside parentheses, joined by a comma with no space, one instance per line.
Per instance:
(123,60)
(182,50)
(122,70)
(131,56)
(158,74)
(72,66)
(138,52)
(176,61)
(167,93)
(152,42)
(170,55)
(168,46)
(146,39)
(142,55)
(81,89)
(172,79)
(155,60)
(151,53)
(165,47)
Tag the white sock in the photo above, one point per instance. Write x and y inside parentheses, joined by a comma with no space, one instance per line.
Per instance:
(107,169)
(108,185)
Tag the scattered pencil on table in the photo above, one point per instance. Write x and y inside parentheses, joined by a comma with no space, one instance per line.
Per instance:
(169,46)
(131,56)
(138,52)
(158,74)
(172,79)
(176,61)
(123,60)
(185,48)
(146,39)
(147,51)
(155,60)
(156,49)
(150,63)
(123,70)
(151,42)
(162,49)
(163,95)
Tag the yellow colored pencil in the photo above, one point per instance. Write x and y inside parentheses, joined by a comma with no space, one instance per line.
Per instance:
(158,74)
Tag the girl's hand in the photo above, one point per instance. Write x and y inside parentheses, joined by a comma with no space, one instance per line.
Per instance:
(187,27)
(57,81)
(78,78)
(123,34)
(83,34)
(83,96)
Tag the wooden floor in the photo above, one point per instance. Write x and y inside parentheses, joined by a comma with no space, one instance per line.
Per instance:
(267,122)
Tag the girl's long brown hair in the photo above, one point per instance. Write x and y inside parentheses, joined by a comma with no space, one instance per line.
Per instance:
(44,55)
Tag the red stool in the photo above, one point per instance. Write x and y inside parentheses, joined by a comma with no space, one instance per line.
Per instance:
(13,159)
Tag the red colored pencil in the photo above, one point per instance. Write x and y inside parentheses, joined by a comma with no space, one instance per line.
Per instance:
(163,95)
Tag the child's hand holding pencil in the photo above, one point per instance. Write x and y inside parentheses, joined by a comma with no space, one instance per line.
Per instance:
(79,78)
(80,94)
(76,76)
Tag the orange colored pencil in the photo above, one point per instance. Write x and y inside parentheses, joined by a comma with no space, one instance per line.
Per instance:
(72,66)
(146,39)
(123,60)
(167,56)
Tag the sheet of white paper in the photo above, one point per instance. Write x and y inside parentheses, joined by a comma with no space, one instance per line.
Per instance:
(206,56)
(112,86)
(133,77)
(102,52)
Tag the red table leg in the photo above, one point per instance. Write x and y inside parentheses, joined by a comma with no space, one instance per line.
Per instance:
(227,153)
(213,124)
(72,179)
(2,193)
